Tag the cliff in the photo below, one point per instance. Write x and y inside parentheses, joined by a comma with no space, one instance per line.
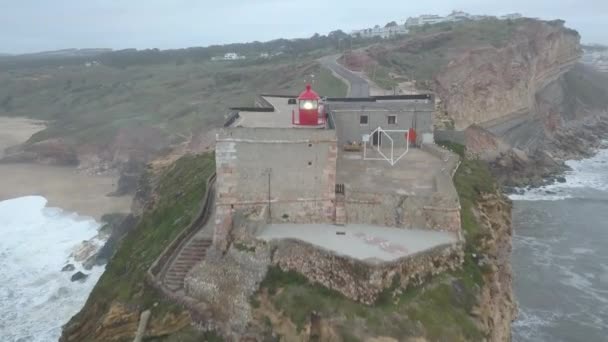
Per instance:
(526,106)
(490,83)
(469,304)
(166,203)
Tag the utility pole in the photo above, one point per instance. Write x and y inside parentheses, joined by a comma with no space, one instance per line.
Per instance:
(269,172)
(374,73)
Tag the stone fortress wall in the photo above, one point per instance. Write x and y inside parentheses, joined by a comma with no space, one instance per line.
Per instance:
(274,175)
(359,280)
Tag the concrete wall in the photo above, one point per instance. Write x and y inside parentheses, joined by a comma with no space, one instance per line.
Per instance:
(363,281)
(439,211)
(283,175)
(418,115)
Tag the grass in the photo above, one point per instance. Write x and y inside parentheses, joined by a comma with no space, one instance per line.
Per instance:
(180,190)
(441,315)
(146,108)
(326,84)
(243,247)
(381,76)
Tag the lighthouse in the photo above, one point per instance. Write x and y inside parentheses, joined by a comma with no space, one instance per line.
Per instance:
(310,109)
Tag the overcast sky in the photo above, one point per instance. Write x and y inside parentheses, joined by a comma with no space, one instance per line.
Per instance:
(40,25)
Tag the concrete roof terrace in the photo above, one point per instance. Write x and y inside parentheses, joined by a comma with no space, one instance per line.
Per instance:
(280,117)
(414,174)
(368,243)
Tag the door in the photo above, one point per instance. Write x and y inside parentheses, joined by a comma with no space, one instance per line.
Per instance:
(377,139)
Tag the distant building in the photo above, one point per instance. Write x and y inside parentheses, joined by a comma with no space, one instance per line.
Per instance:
(382,32)
(511,16)
(230,56)
(455,16)
(458,16)
(264,55)
(424,19)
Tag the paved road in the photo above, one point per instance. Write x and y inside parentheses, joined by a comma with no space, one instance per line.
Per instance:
(358,85)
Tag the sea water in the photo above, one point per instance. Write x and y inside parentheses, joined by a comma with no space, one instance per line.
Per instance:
(560,256)
(36,242)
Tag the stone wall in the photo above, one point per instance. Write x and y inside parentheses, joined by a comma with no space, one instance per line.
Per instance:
(224,284)
(363,281)
(282,175)
(436,212)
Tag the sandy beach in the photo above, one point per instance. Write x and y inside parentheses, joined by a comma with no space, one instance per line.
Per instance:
(63,187)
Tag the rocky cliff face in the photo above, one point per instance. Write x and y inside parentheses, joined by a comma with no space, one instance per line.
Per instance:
(492,83)
(527,106)
(497,307)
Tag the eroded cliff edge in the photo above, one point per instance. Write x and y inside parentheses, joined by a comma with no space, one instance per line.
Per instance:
(528,106)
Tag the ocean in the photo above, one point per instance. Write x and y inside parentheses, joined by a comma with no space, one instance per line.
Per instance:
(560,256)
(36,242)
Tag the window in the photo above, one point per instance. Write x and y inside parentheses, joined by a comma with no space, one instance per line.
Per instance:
(363,119)
(392,119)
(308,104)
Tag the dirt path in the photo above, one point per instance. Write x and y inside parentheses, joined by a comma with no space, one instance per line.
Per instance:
(63,187)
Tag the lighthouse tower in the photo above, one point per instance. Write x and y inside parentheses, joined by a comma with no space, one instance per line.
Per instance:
(310,109)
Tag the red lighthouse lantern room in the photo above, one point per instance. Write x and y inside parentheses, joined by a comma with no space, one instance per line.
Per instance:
(310,109)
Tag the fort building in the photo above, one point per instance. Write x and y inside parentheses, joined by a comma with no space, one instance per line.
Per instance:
(355,182)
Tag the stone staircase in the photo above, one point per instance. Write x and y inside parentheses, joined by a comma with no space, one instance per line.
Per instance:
(193,253)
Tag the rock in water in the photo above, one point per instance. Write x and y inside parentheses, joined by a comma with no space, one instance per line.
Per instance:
(79,276)
(68,268)
(561,179)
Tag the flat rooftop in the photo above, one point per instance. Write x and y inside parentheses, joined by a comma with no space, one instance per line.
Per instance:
(281,117)
(277,136)
(384,105)
(414,174)
(368,243)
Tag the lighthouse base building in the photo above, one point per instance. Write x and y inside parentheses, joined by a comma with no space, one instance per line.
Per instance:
(350,193)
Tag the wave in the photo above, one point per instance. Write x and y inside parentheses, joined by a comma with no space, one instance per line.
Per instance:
(36,298)
(588,178)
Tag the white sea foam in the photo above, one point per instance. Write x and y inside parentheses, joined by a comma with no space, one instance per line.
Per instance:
(585,176)
(36,298)
(529,321)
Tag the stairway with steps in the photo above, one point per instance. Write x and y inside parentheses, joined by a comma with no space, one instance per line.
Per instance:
(193,253)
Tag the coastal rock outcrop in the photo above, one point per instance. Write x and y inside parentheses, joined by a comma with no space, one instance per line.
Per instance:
(68,268)
(79,276)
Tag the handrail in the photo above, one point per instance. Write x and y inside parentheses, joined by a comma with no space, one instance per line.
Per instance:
(168,255)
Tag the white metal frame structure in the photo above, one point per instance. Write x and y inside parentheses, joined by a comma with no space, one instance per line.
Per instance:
(368,139)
